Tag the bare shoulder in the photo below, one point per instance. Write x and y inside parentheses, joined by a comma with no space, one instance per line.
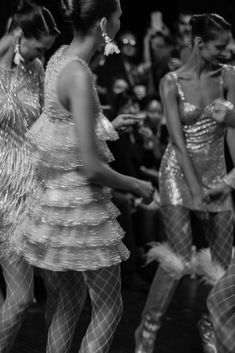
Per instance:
(229,75)
(168,82)
(74,79)
(75,74)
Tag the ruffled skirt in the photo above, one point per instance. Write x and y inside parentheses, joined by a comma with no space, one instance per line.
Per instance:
(69,224)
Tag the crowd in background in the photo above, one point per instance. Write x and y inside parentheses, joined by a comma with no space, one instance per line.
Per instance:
(129,83)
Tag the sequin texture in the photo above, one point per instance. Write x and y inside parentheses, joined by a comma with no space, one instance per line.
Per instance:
(21,93)
(70,224)
(204,139)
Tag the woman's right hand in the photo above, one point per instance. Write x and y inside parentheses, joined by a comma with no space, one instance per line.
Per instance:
(199,202)
(218,192)
(145,190)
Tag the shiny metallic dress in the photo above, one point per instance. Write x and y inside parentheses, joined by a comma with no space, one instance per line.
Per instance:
(204,139)
(21,92)
(70,223)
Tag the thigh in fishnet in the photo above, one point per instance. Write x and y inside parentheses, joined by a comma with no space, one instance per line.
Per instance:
(177,223)
(71,300)
(105,292)
(221,304)
(220,237)
(18,276)
(52,285)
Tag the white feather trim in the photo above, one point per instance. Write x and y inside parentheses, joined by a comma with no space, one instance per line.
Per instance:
(210,271)
(169,261)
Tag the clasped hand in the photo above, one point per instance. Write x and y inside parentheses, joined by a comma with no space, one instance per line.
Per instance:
(220,109)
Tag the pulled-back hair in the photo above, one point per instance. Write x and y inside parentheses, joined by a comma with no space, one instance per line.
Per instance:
(84,13)
(207,26)
(35,21)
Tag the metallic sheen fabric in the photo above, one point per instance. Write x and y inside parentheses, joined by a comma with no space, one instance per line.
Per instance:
(204,139)
(21,95)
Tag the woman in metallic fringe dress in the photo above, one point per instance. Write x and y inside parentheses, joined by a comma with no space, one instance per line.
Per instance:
(193,162)
(70,225)
(32,30)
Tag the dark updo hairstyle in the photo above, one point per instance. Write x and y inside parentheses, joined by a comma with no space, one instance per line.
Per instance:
(84,13)
(207,26)
(35,21)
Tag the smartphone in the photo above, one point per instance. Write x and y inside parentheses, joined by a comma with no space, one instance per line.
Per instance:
(156,20)
(141,115)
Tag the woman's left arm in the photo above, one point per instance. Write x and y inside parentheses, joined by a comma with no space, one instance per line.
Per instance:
(224,109)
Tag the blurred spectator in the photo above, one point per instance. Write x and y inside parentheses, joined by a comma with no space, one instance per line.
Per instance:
(183,29)
(156,138)
(183,38)
(160,57)
(126,65)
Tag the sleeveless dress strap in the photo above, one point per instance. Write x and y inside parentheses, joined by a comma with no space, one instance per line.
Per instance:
(179,87)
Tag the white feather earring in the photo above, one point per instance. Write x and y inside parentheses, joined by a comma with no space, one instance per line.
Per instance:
(110,46)
(18,58)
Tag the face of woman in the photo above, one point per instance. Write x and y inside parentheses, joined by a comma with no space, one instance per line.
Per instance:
(113,24)
(160,48)
(31,48)
(212,50)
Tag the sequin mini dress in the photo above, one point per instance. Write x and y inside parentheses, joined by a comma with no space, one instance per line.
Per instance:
(21,94)
(70,223)
(204,139)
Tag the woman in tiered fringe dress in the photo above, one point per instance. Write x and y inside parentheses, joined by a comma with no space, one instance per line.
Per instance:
(70,225)
(21,98)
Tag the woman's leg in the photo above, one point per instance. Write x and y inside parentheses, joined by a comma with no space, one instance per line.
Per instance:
(220,238)
(19,296)
(52,285)
(104,287)
(219,234)
(72,296)
(173,262)
(221,305)
(221,301)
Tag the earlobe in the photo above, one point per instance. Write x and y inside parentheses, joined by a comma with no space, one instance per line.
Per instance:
(199,42)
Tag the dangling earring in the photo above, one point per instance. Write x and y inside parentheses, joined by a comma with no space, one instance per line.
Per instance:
(110,46)
(18,58)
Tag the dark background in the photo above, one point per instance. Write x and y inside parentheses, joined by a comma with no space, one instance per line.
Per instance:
(136,12)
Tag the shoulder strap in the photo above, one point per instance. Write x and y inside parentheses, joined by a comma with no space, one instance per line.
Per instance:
(178,85)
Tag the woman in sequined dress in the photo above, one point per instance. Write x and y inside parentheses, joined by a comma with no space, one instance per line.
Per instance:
(193,163)
(32,30)
(70,225)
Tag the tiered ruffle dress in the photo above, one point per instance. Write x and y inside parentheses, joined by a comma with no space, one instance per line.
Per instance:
(70,224)
(21,94)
